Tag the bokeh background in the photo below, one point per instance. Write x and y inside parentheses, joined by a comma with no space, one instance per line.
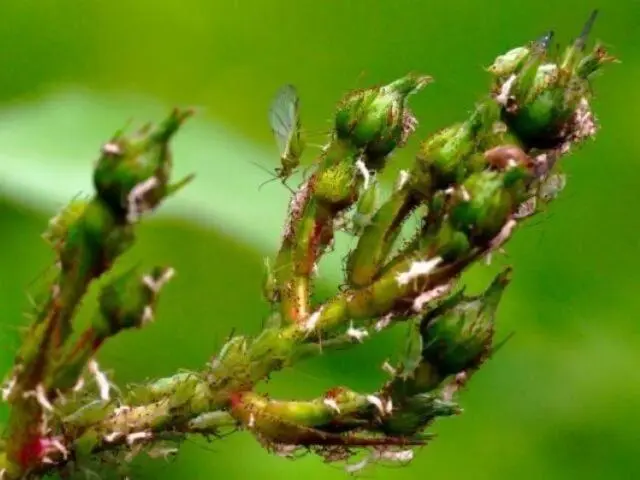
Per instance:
(561,400)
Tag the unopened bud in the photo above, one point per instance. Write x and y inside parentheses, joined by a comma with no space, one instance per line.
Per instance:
(458,334)
(374,119)
(127,301)
(546,92)
(132,175)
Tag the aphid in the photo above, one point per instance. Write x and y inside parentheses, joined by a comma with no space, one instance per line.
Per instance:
(59,225)
(365,208)
(527,208)
(284,119)
(551,187)
(269,287)
(510,62)
(505,65)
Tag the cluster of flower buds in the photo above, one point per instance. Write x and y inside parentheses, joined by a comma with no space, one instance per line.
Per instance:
(132,175)
(471,184)
(475,180)
(545,97)
(369,125)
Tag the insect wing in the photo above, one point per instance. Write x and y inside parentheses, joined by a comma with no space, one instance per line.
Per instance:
(284,117)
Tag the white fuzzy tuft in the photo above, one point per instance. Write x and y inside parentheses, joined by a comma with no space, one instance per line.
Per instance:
(418,269)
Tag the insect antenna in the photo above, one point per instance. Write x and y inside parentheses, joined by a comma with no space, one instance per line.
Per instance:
(271,180)
(271,174)
(263,168)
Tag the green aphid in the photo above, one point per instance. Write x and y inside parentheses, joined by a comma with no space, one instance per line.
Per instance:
(412,355)
(284,119)
(58,227)
(505,65)
(551,187)
(88,414)
(365,208)
(269,285)
(513,60)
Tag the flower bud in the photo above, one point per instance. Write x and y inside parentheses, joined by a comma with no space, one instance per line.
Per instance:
(542,98)
(375,118)
(416,413)
(128,300)
(133,173)
(457,335)
(490,198)
(446,157)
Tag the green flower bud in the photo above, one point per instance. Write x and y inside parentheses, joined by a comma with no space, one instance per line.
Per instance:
(446,157)
(457,335)
(543,99)
(377,119)
(416,413)
(127,301)
(133,173)
(451,244)
(487,199)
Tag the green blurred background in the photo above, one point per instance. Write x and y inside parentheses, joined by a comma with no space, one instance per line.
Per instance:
(561,400)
